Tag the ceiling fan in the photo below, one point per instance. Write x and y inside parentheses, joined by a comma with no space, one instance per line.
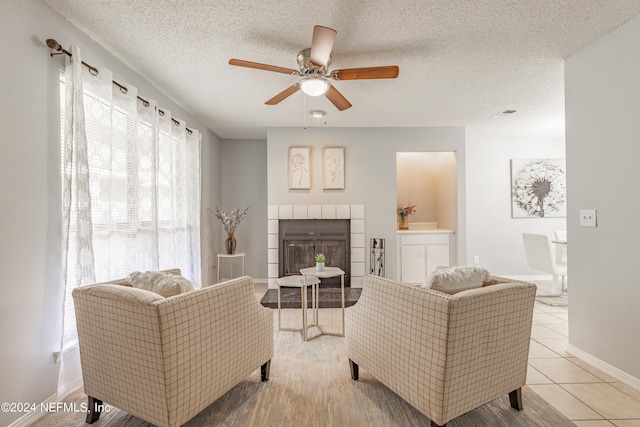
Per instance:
(314,69)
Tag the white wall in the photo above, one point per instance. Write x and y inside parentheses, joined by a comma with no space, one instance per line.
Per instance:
(30,218)
(603,132)
(370,172)
(244,172)
(492,234)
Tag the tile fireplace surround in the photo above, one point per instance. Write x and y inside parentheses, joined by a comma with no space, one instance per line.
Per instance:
(354,213)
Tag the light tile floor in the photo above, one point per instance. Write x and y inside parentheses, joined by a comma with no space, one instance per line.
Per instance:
(585,395)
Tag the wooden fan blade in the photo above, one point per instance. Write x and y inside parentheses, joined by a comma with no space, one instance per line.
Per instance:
(337,99)
(321,45)
(257,65)
(284,94)
(387,72)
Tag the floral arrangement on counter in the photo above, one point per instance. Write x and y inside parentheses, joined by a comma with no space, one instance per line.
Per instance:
(406,210)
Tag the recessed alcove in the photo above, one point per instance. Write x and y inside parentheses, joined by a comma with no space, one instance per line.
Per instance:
(428,179)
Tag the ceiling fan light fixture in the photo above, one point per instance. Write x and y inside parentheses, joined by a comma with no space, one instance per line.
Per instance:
(314,86)
(314,72)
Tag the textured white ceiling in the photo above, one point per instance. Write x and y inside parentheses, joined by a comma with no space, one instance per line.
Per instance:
(461,62)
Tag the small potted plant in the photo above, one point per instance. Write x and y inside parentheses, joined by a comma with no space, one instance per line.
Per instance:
(320,262)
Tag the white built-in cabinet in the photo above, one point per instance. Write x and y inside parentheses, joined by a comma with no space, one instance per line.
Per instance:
(422,251)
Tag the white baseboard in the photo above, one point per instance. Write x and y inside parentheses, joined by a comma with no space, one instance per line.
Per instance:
(608,369)
(31,417)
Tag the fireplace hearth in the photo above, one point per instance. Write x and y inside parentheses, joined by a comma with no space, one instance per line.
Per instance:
(301,240)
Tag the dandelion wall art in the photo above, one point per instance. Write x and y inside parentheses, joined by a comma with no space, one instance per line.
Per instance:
(538,188)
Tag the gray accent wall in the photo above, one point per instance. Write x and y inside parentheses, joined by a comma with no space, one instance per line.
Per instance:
(244,172)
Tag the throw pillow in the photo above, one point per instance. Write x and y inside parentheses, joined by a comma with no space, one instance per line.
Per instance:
(457,279)
(162,283)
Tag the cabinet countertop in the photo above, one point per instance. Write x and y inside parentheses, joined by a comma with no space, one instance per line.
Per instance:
(431,231)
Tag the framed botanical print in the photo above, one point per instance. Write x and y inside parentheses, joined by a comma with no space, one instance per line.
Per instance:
(299,168)
(333,168)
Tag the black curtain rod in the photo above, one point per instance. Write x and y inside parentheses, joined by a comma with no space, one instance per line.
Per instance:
(54,45)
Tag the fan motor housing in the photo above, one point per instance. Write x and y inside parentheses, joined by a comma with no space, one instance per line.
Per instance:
(307,68)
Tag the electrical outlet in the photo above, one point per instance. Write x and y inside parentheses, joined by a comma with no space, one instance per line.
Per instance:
(476,259)
(588,218)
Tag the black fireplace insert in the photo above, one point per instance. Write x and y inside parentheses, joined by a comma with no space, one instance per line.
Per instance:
(301,239)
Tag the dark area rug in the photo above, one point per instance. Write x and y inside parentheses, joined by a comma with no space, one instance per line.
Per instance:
(329,297)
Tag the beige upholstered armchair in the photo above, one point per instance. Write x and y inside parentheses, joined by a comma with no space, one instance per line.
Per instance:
(166,359)
(444,354)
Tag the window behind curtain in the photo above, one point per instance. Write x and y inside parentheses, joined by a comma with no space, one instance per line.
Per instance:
(144,210)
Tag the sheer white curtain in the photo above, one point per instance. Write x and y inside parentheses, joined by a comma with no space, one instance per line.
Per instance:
(77,249)
(138,191)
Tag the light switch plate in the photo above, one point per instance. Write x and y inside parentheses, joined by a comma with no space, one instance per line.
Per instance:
(588,218)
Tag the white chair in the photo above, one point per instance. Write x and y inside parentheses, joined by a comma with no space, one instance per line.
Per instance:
(561,248)
(541,255)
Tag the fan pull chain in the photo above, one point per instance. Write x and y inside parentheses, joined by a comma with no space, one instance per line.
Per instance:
(304,110)
(324,108)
